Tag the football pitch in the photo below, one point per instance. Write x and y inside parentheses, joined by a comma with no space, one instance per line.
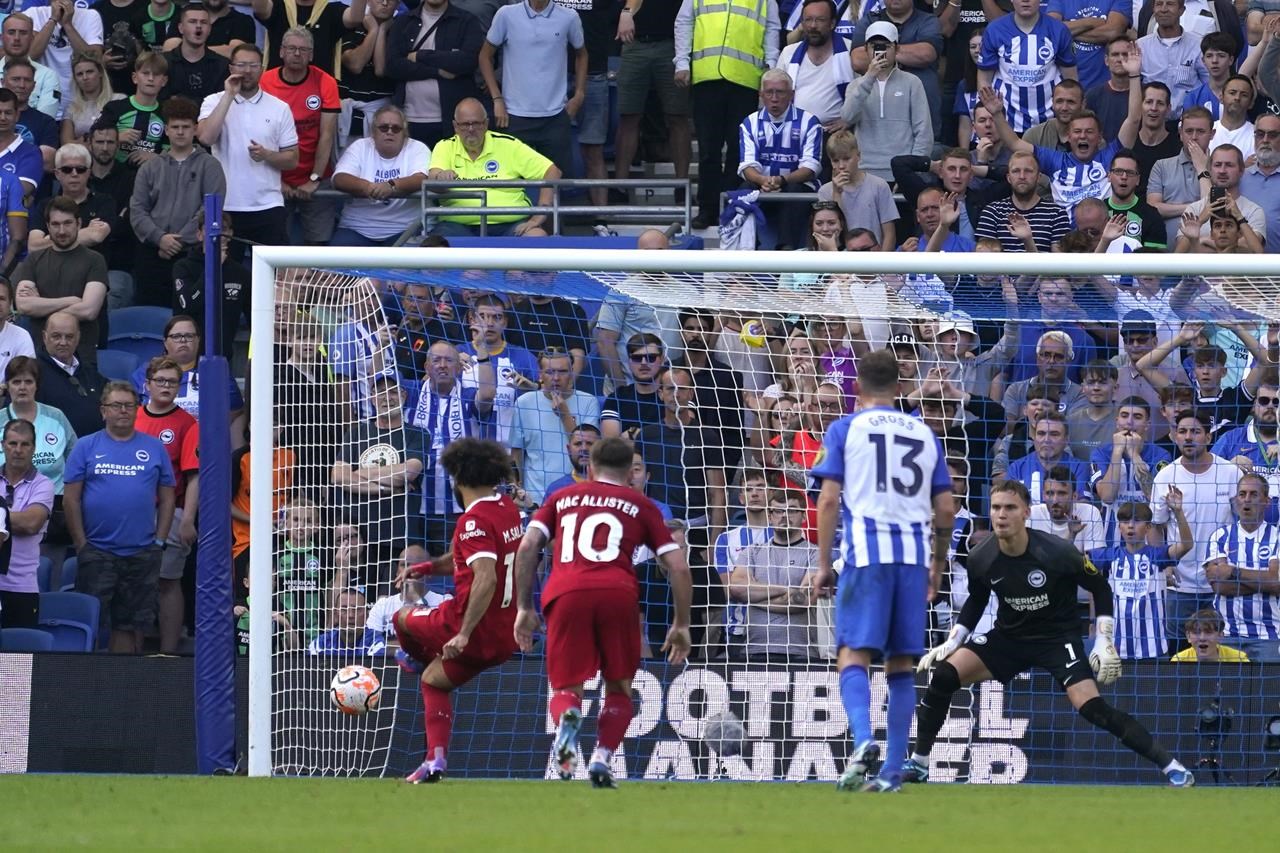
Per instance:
(187,813)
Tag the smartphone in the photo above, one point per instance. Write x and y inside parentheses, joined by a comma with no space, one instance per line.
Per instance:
(878,51)
(1216,193)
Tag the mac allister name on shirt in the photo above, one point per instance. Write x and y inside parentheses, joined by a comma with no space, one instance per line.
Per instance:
(598,502)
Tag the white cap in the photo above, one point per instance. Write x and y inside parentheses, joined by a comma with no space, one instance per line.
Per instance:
(882,29)
(956,321)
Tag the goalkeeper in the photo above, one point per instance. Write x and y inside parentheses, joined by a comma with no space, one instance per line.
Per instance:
(1034,576)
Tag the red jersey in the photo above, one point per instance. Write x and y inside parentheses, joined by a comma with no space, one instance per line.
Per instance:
(317,93)
(490,528)
(180,435)
(597,526)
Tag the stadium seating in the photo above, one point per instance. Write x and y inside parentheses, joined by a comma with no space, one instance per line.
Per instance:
(25,640)
(139,330)
(71,618)
(117,364)
(44,574)
(67,581)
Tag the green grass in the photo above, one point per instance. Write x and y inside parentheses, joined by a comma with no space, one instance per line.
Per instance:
(51,813)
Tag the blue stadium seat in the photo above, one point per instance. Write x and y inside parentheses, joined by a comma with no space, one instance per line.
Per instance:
(71,618)
(67,583)
(25,640)
(117,363)
(138,329)
(44,574)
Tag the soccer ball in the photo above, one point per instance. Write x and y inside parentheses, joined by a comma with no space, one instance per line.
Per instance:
(724,733)
(753,333)
(355,690)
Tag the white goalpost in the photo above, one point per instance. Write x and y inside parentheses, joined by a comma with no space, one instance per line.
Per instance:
(291,728)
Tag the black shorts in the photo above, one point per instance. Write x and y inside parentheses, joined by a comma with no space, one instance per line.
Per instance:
(1064,658)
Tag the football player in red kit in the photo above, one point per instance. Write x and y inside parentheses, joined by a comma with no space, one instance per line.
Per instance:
(591,598)
(453,643)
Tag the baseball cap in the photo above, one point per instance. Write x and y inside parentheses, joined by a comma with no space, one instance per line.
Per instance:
(957,321)
(1138,322)
(903,339)
(884,30)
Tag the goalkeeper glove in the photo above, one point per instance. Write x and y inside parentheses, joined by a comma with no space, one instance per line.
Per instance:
(954,640)
(1104,658)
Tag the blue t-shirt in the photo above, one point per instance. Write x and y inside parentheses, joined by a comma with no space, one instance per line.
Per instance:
(23,160)
(1026,65)
(1091,59)
(121,480)
(1203,96)
(1031,473)
(1072,180)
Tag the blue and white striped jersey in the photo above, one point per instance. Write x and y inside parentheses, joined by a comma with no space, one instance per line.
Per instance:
(891,465)
(1252,616)
(728,548)
(776,147)
(444,417)
(1072,180)
(1027,65)
(1138,595)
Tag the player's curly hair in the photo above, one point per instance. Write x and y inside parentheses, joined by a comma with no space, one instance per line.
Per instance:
(476,463)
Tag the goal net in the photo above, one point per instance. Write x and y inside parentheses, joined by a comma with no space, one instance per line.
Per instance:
(726,370)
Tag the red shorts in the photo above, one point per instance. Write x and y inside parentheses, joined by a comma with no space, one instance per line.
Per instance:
(430,629)
(590,631)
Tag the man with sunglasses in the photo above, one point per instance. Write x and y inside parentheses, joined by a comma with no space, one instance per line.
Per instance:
(632,406)
(1255,446)
(380,171)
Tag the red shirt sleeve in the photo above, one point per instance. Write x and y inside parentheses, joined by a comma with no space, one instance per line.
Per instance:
(329,99)
(545,518)
(657,536)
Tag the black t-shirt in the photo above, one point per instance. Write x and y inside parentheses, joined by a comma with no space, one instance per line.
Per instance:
(195,80)
(118,184)
(1035,591)
(189,294)
(1230,408)
(326,32)
(37,128)
(121,78)
(383,519)
(233,26)
(599,26)
(657,19)
(412,345)
(719,398)
(558,323)
(631,408)
(362,85)
(678,461)
(1147,155)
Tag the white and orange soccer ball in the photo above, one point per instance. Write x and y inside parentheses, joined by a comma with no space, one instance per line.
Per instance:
(355,690)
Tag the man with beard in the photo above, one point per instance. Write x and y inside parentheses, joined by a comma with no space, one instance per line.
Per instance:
(1255,446)
(1081,171)
(446,410)
(716,385)
(64,277)
(1045,218)
(1207,482)
(1233,126)
(1226,167)
(1256,183)
(1063,515)
(228,29)
(583,438)
(632,406)
(819,65)
(1134,223)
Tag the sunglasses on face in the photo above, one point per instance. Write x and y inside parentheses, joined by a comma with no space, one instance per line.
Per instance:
(72,170)
(646,357)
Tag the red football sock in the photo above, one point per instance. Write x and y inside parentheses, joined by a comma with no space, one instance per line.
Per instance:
(563,700)
(615,716)
(438,710)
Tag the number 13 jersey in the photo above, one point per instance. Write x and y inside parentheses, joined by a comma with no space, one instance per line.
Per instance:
(890,465)
(596,527)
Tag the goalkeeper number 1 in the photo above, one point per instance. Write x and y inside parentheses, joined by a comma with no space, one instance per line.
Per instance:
(1034,576)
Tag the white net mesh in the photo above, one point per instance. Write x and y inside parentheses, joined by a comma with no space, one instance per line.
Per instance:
(765,362)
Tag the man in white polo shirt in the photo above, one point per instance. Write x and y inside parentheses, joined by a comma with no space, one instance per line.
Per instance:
(252,134)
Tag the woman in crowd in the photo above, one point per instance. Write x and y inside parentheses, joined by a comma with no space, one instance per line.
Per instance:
(91,91)
(29,501)
(379,171)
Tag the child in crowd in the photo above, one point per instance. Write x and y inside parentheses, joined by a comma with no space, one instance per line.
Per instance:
(1093,425)
(1204,635)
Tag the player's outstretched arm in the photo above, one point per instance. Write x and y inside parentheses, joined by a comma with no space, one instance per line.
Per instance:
(678,642)
(527,557)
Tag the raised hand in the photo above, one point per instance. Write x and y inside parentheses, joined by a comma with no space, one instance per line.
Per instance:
(1173,499)
(991,99)
(1133,62)
(1019,227)
(1190,226)
(1115,227)
(950,209)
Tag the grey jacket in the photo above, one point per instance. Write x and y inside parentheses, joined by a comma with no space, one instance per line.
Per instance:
(898,124)
(167,195)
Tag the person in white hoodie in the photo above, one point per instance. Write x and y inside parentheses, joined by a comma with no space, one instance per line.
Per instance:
(887,107)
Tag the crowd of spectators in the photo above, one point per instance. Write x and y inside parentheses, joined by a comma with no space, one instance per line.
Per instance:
(1146,437)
